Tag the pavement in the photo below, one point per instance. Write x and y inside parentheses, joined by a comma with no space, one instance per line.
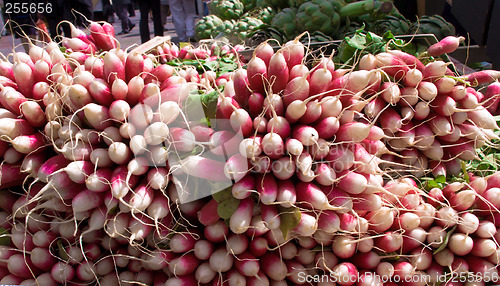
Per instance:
(8,43)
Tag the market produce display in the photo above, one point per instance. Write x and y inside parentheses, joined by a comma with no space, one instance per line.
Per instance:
(191,166)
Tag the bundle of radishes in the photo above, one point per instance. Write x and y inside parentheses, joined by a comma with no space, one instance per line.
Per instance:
(123,168)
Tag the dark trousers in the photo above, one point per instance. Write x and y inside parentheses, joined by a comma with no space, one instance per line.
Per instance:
(154,6)
(82,8)
(122,13)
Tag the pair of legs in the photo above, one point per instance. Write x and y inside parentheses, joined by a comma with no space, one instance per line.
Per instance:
(123,13)
(155,7)
(183,15)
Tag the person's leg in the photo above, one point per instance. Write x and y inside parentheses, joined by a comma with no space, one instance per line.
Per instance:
(121,11)
(143,23)
(177,9)
(156,10)
(85,8)
(190,15)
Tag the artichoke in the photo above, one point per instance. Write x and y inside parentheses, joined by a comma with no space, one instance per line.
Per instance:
(225,29)
(245,26)
(296,3)
(276,4)
(318,15)
(285,22)
(205,28)
(316,37)
(265,14)
(249,5)
(226,9)
(397,25)
(265,32)
(434,24)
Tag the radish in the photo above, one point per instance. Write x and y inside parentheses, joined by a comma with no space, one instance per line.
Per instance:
(257,74)
(277,71)
(447,45)
(240,220)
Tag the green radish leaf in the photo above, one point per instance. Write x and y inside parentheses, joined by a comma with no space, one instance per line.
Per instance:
(223,195)
(440,179)
(62,251)
(226,209)
(290,218)
(4,237)
(445,242)
(432,184)
(464,170)
(209,103)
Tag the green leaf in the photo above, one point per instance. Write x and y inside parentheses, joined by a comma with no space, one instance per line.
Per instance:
(464,170)
(209,102)
(62,251)
(4,237)
(223,195)
(290,218)
(440,179)
(445,241)
(432,184)
(226,209)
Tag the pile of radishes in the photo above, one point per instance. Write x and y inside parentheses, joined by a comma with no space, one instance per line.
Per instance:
(114,174)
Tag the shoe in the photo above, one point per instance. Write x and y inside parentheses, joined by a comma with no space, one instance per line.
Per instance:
(193,39)
(124,32)
(131,27)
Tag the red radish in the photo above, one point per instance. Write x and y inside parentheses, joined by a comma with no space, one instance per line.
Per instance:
(312,113)
(447,45)
(392,65)
(412,78)
(62,272)
(257,74)
(33,113)
(368,62)
(101,92)
(353,132)
(134,64)
(460,244)
(24,78)
(330,106)
(241,120)
(26,144)
(241,88)
(300,70)
(482,77)
(287,195)
(102,38)
(410,60)
(390,92)
(434,70)
(135,88)
(307,135)
(319,81)
(427,90)
(273,266)
(221,260)
(277,72)
(307,226)
(273,105)
(255,104)
(311,196)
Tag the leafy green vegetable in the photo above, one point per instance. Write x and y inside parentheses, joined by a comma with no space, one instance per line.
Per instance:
(226,208)
(362,42)
(4,237)
(445,241)
(223,195)
(290,218)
